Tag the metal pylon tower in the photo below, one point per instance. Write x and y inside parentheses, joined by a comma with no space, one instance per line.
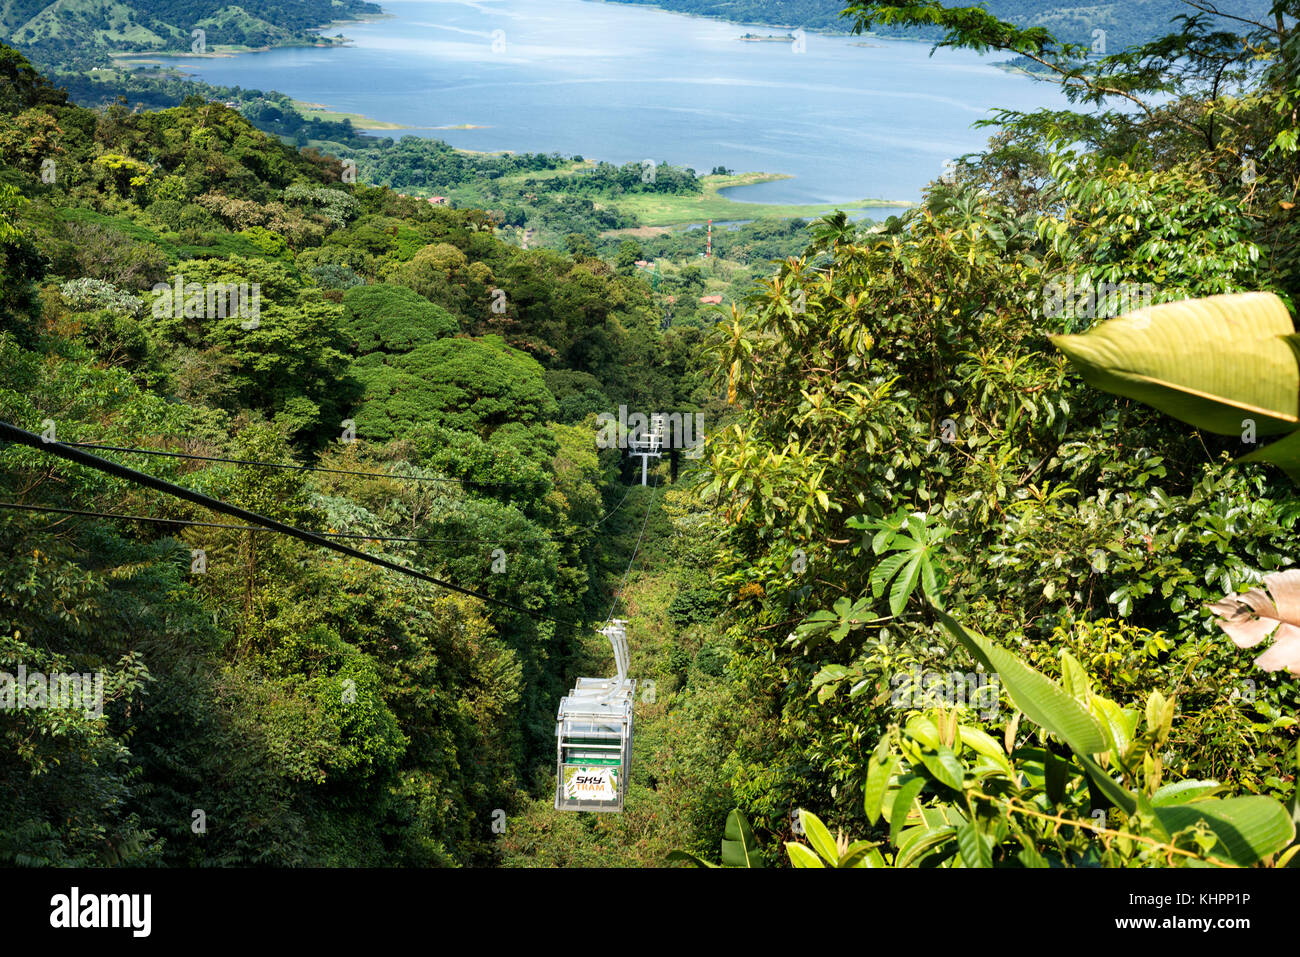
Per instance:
(649,444)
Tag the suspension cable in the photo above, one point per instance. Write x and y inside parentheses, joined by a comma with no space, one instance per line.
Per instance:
(12,433)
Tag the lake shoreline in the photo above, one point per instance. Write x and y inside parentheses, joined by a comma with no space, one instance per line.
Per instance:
(713,203)
(819,31)
(862,136)
(737,209)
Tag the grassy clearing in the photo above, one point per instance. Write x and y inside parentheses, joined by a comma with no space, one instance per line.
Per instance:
(326,115)
(661,210)
(670,210)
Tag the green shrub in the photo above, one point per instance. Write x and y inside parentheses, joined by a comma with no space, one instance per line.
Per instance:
(476,385)
(392,319)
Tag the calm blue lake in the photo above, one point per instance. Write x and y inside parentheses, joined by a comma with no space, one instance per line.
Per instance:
(848,118)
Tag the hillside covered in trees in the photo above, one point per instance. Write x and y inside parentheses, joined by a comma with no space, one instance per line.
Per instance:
(463,367)
(1126,22)
(88,30)
(989,558)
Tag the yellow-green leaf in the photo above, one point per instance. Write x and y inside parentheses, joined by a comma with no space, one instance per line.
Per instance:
(1210,362)
(819,837)
(800,856)
(1040,698)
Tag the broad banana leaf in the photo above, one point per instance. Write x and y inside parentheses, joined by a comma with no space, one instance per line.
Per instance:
(1212,362)
(1284,453)
(739,849)
(1043,701)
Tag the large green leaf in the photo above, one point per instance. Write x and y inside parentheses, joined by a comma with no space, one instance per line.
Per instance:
(975,849)
(1183,792)
(862,854)
(1210,362)
(902,806)
(1284,453)
(887,569)
(1040,698)
(1248,828)
(918,841)
(800,856)
(982,743)
(739,849)
(878,775)
(819,836)
(945,766)
(904,584)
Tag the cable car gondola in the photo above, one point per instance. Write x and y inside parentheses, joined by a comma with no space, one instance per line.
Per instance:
(593,732)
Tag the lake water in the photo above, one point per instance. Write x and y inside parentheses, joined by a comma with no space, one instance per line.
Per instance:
(848,118)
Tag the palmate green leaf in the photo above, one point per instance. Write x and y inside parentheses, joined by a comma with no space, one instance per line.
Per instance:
(739,849)
(904,585)
(1209,362)
(1040,698)
(887,569)
(881,540)
(845,616)
(1249,828)
(930,580)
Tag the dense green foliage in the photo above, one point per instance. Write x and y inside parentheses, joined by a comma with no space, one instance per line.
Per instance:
(90,29)
(391,319)
(898,464)
(907,437)
(269,703)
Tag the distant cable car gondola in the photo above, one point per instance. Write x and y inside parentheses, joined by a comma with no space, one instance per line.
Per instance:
(593,734)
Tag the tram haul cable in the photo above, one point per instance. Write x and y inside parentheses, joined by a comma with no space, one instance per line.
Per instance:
(11,433)
(286,465)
